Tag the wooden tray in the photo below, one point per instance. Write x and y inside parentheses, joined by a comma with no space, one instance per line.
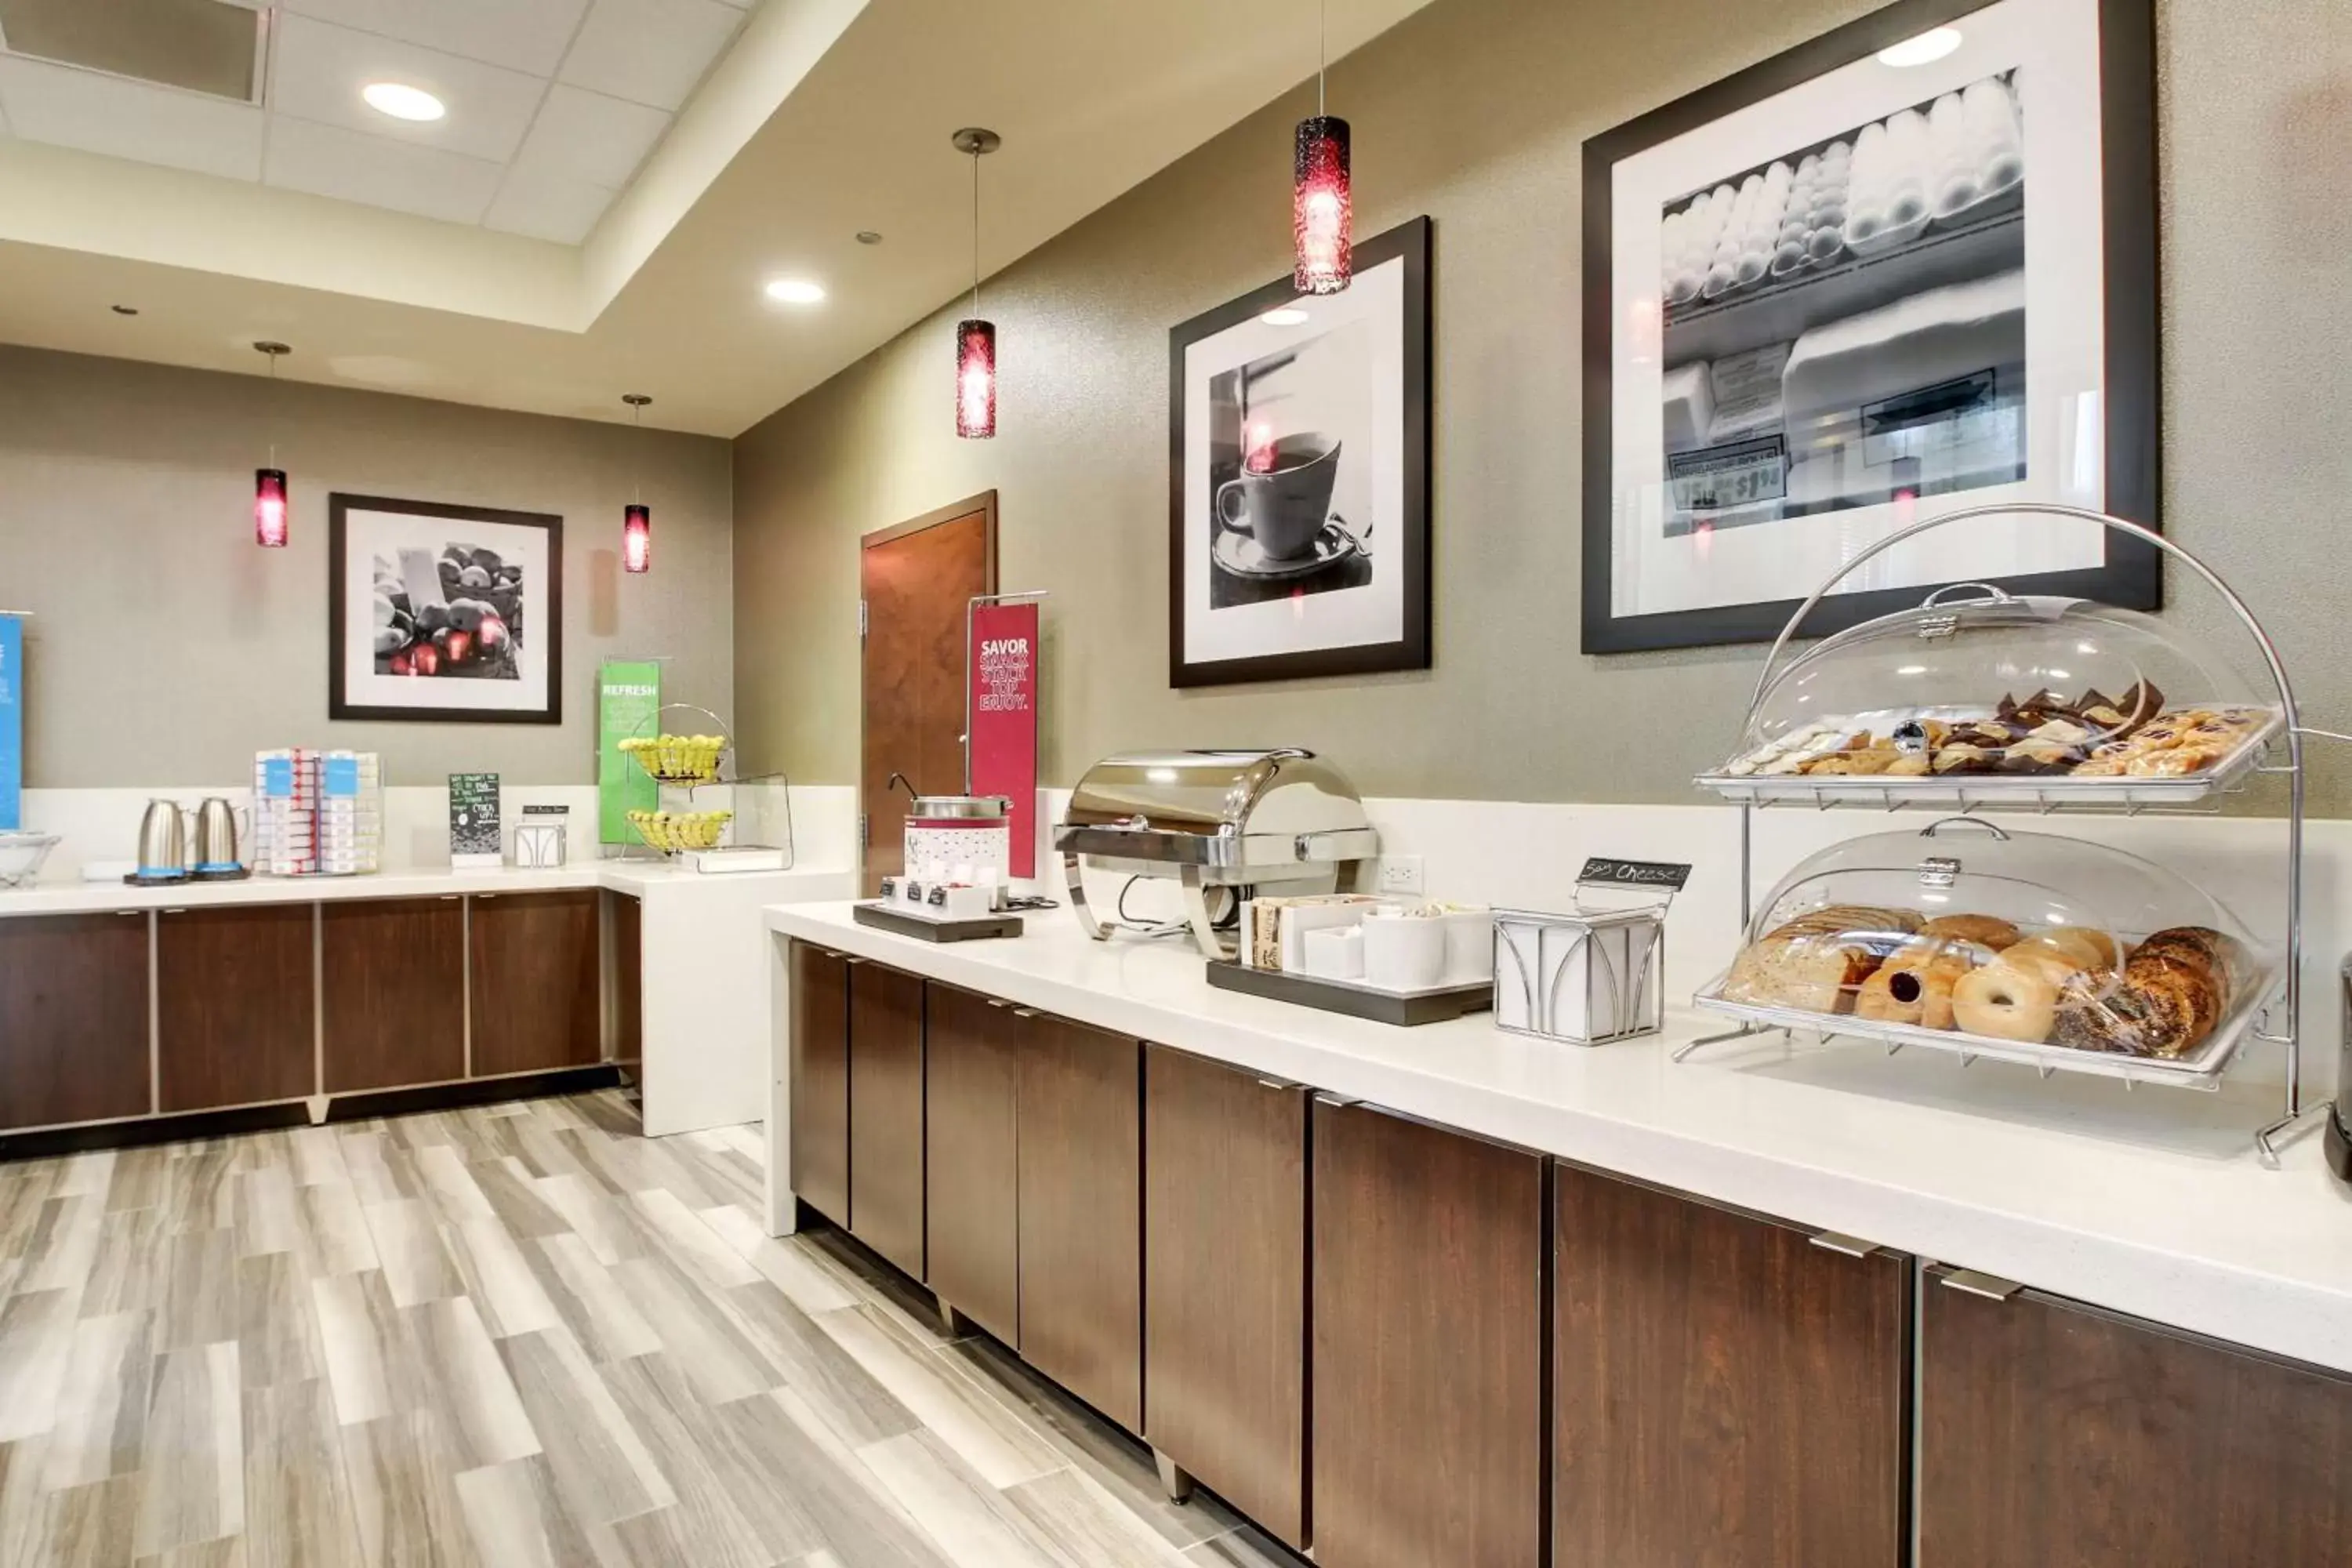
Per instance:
(1434,1006)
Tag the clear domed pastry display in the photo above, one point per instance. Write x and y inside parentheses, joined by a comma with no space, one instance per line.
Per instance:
(2023,946)
(1977,697)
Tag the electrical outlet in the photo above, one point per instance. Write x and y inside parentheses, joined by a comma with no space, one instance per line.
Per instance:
(1401,874)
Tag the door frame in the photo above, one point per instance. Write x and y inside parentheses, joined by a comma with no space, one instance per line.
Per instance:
(984,502)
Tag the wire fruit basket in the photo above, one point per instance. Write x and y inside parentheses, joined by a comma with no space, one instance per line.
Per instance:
(673,832)
(681,762)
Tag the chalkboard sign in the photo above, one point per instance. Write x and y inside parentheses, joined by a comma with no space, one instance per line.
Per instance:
(1634,873)
(474,840)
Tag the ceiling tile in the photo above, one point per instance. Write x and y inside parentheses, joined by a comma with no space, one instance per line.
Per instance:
(328,160)
(548,206)
(99,113)
(318,69)
(587,136)
(650,51)
(522,35)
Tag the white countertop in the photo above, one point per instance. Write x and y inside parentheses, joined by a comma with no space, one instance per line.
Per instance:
(636,877)
(2150,1202)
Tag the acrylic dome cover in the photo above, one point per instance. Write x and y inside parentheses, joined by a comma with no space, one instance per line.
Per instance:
(1984,688)
(1970,938)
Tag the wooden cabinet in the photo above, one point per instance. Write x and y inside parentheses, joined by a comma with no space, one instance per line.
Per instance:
(537,998)
(2059,1436)
(1081,1171)
(236,1011)
(1427,1314)
(1724,1390)
(627,916)
(73,1019)
(818,1034)
(393,989)
(885,1112)
(1224,1270)
(971,1172)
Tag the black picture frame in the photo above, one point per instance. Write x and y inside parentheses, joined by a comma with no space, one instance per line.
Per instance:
(1409,242)
(339,506)
(2132,575)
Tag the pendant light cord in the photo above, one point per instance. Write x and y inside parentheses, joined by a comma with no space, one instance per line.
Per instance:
(273,398)
(1322,52)
(637,479)
(975,232)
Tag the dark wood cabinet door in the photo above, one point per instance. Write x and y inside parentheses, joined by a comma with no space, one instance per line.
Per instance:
(1427,1312)
(393,979)
(1225,1282)
(538,1000)
(819,1073)
(628,978)
(236,1017)
(1725,1390)
(885,1112)
(971,1172)
(73,1019)
(1081,1211)
(2062,1436)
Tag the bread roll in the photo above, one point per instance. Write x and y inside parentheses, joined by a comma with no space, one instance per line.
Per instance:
(2090,948)
(1819,961)
(1982,931)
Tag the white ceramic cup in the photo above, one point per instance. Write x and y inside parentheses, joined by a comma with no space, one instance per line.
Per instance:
(1403,952)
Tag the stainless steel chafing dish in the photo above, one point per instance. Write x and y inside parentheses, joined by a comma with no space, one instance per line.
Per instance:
(1222,824)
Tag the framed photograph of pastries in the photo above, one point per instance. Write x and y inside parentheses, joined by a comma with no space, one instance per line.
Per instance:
(1298,477)
(1904,268)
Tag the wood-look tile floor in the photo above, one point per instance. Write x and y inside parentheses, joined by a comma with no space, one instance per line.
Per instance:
(516,1336)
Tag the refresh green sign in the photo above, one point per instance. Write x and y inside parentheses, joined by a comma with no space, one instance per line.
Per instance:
(628,701)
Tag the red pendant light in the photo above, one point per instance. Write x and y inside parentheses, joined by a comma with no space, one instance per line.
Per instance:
(976,338)
(636,519)
(269,483)
(1322,200)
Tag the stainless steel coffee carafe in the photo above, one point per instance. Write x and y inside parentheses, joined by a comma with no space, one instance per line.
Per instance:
(162,844)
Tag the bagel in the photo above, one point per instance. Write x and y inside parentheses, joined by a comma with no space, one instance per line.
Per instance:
(2007,1001)
(2092,948)
(1982,931)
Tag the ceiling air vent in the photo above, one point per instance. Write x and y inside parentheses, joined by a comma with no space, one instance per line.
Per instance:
(204,46)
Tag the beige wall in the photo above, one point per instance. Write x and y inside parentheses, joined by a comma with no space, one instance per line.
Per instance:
(166,648)
(1474,112)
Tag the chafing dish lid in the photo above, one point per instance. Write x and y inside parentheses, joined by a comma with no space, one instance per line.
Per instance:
(1216,791)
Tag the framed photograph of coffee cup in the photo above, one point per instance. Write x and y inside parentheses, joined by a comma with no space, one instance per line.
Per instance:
(1906,269)
(441,612)
(1298,477)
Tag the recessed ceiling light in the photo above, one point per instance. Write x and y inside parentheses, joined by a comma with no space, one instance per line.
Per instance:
(1923,50)
(402,101)
(795,291)
(868,237)
(1286,316)
(124,310)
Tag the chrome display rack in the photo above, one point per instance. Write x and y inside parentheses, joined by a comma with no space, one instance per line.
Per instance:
(720,779)
(2277,1022)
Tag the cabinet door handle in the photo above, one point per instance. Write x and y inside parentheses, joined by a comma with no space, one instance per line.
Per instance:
(451,898)
(1280,1086)
(1337,1102)
(996,1002)
(1972,1282)
(1023,1012)
(853,963)
(1844,1245)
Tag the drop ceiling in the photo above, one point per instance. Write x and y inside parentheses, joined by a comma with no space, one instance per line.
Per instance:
(613,183)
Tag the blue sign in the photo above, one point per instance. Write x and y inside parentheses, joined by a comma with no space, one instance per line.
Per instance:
(12,723)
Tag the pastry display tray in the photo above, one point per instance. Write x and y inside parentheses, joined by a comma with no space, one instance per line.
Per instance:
(2201,1070)
(1996,792)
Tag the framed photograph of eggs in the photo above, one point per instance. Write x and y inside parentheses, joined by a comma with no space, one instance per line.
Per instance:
(442,613)
(1906,269)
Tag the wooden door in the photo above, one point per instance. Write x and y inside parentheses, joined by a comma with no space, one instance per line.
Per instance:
(392,978)
(1082,1212)
(2061,1436)
(1225,1292)
(73,1019)
(885,1112)
(1427,1312)
(917,581)
(538,1002)
(237,1020)
(972,1172)
(819,1070)
(1725,1390)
